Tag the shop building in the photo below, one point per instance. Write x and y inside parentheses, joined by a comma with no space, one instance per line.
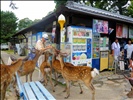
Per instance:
(88,33)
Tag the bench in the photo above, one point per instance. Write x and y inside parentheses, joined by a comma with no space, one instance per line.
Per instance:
(33,90)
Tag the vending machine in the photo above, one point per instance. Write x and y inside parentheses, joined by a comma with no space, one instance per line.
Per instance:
(96,50)
(104,53)
(80,39)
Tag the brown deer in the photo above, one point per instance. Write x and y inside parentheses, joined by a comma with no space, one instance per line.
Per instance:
(57,66)
(45,69)
(28,66)
(6,74)
(76,73)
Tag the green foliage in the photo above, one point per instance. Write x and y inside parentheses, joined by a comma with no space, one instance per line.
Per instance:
(59,3)
(8,25)
(130,10)
(24,23)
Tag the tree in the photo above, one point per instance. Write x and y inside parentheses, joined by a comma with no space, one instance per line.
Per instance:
(24,23)
(117,6)
(130,10)
(8,25)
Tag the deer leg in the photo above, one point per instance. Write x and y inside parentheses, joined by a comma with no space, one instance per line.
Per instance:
(3,91)
(26,78)
(50,76)
(14,81)
(31,76)
(68,89)
(81,91)
(55,74)
(42,71)
(91,87)
(65,89)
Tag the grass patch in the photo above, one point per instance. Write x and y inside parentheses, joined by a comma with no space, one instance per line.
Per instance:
(9,51)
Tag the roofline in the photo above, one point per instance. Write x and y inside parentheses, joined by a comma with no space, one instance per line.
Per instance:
(99,12)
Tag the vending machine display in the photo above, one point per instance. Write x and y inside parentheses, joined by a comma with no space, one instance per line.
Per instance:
(96,48)
(81,45)
(96,51)
(104,43)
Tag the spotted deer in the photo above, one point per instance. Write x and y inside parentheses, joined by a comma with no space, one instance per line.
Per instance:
(78,73)
(6,74)
(28,66)
(57,66)
(46,69)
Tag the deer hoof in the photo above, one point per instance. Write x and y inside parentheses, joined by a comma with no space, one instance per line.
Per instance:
(81,92)
(55,84)
(67,96)
(64,91)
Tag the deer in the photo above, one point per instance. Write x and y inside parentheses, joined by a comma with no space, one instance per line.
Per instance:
(45,69)
(78,73)
(28,66)
(7,72)
(57,66)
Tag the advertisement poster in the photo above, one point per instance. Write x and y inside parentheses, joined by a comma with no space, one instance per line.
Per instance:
(100,26)
(131,32)
(119,28)
(125,31)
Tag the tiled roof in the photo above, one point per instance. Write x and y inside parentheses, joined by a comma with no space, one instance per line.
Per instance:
(97,12)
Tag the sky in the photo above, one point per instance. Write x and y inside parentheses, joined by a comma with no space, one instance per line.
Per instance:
(31,9)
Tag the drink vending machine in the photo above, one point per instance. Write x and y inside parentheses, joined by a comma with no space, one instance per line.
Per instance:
(96,50)
(80,39)
(104,53)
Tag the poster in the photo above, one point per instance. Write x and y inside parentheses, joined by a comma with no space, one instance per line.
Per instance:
(119,28)
(100,26)
(125,31)
(131,32)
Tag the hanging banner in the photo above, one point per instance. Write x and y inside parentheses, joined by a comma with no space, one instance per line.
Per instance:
(125,31)
(131,32)
(119,28)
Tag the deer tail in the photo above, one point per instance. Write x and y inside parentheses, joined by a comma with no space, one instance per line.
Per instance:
(94,72)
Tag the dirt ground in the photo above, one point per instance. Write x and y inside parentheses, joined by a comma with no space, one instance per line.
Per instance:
(108,86)
(105,89)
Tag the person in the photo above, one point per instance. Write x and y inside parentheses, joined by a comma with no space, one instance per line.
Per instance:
(129,48)
(115,49)
(42,44)
(115,52)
